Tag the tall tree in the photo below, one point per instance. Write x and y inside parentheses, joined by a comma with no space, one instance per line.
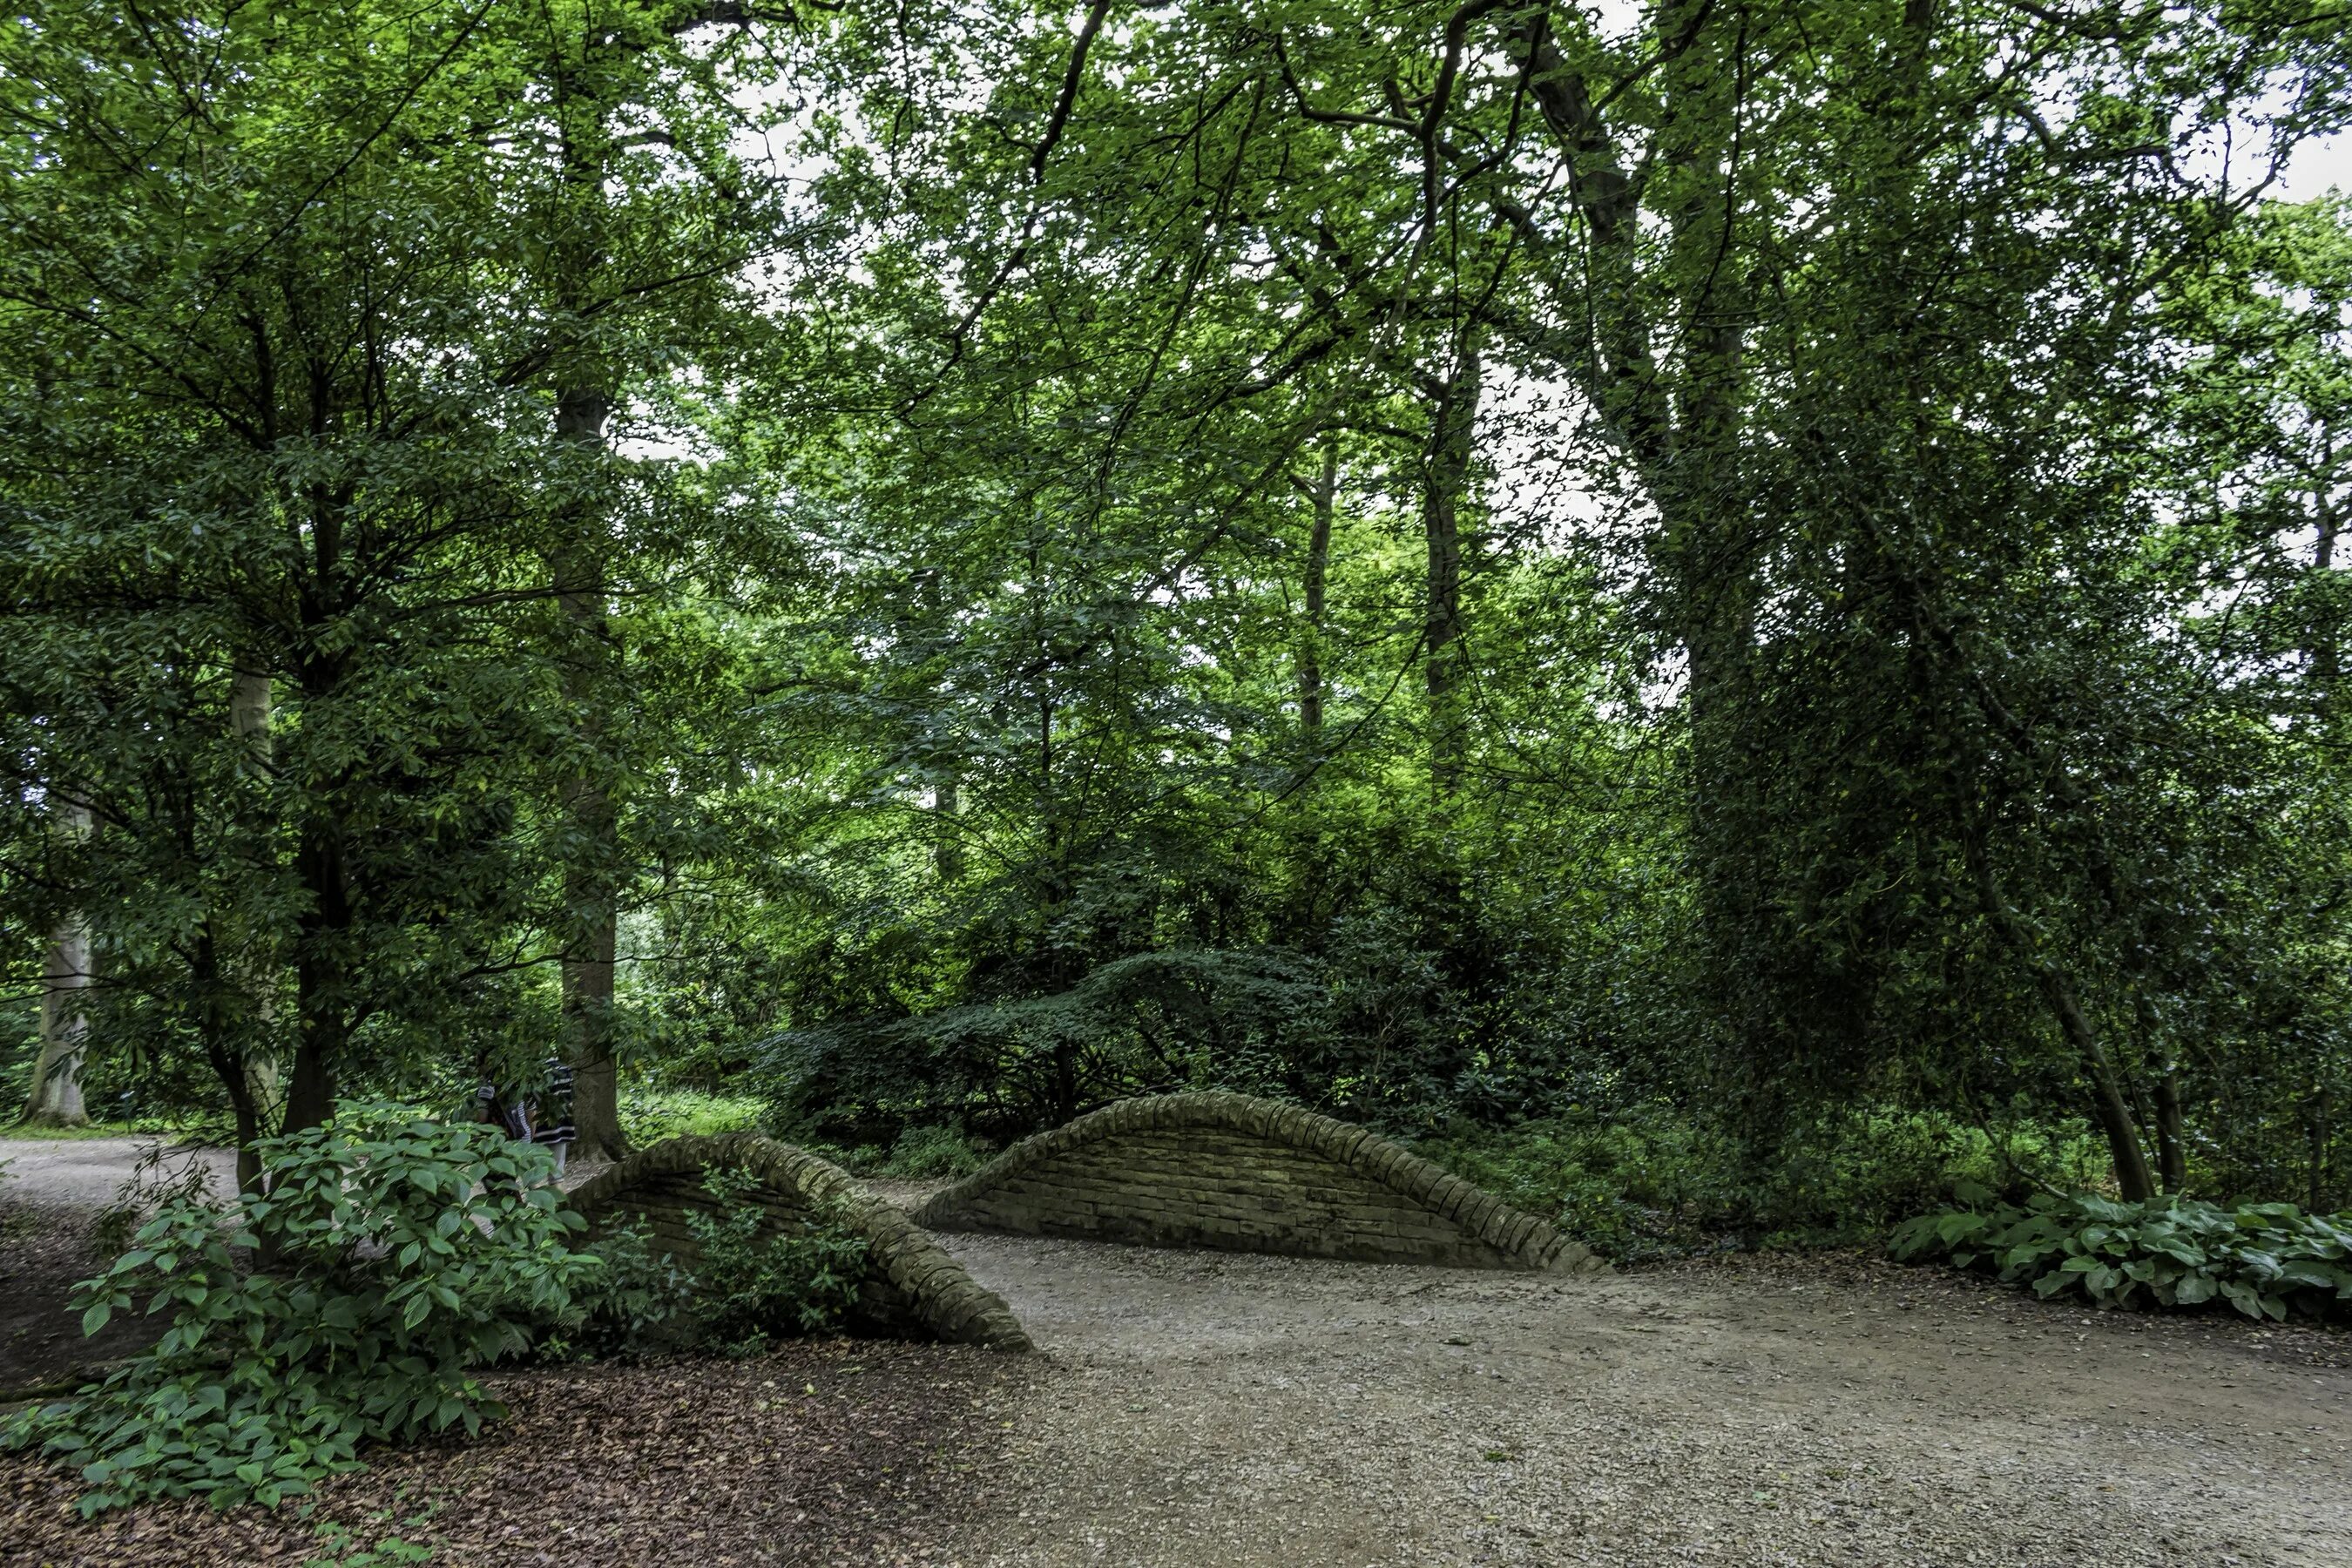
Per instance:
(55,1099)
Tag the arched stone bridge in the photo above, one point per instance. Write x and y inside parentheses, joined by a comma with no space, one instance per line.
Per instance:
(1245,1175)
(913,1290)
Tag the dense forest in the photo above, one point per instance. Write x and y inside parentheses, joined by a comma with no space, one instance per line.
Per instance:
(1752,586)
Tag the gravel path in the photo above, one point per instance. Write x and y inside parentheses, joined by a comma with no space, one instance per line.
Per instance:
(1245,1411)
(1248,1412)
(87,1173)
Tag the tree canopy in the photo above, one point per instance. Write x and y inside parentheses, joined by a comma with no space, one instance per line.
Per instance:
(951,564)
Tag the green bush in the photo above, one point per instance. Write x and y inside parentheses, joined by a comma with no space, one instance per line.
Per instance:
(648,1114)
(1650,1182)
(2264,1259)
(750,1287)
(927,1153)
(397,1254)
(1842,1177)
(627,1307)
(1646,1184)
(754,1284)
(918,1155)
(1144,1023)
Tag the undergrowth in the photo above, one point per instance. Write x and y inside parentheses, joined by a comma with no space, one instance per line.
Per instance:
(650,1114)
(918,1154)
(397,1255)
(2264,1259)
(756,1282)
(1654,1183)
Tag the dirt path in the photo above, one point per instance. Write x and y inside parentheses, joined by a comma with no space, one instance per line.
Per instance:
(1247,1411)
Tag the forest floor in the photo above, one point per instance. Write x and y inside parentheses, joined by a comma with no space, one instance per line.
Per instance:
(1245,1411)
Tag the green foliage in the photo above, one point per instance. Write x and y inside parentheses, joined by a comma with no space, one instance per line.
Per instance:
(929,1153)
(165,1175)
(629,1306)
(650,1114)
(1845,1175)
(2264,1259)
(1654,1182)
(1149,1022)
(1648,1184)
(396,1254)
(1188,555)
(757,1281)
(344,1551)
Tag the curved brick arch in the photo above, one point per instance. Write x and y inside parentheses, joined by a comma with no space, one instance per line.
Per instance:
(913,1290)
(1249,1176)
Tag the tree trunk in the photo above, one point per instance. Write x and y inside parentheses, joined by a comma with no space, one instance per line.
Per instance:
(2163,1072)
(2110,1106)
(592,908)
(947,804)
(257,1097)
(322,974)
(56,1097)
(1677,422)
(1445,486)
(1324,496)
(2321,1128)
(2325,654)
(224,1049)
(2171,1150)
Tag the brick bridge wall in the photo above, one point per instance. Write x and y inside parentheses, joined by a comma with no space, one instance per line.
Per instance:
(1231,1172)
(912,1289)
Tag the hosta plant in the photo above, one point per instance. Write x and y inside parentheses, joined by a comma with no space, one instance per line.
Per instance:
(2264,1259)
(396,1254)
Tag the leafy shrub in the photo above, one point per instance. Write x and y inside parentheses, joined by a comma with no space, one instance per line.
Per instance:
(926,1153)
(2264,1259)
(398,1253)
(154,1184)
(1651,1181)
(1147,1024)
(648,1114)
(750,1287)
(627,1306)
(1841,1177)
(1646,1184)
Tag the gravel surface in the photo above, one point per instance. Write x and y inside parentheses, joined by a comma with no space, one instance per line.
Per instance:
(1241,1410)
(87,1173)
(1203,1408)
